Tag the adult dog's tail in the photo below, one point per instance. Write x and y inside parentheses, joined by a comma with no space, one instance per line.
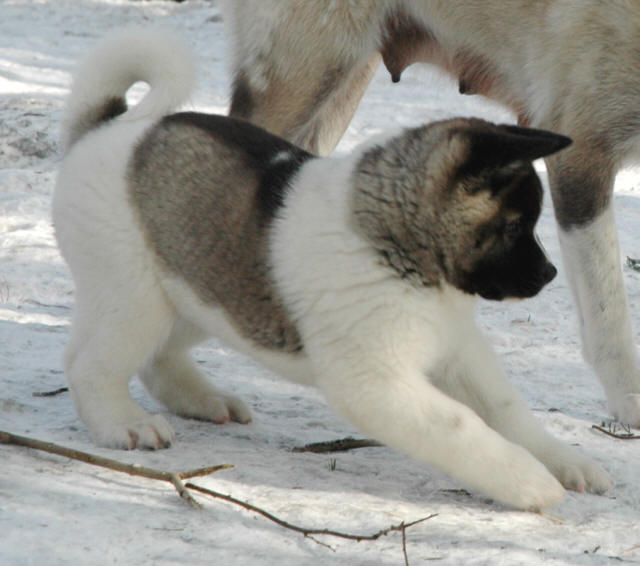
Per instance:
(100,83)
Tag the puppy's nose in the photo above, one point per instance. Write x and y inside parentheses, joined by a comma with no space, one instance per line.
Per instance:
(549,272)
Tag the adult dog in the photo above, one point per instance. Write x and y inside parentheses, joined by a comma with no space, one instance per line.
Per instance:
(300,69)
(357,275)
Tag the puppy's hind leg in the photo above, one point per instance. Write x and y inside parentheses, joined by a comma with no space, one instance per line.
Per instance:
(173,379)
(474,377)
(109,344)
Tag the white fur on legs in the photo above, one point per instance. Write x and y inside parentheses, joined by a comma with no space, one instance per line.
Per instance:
(403,410)
(370,359)
(592,257)
(122,314)
(108,346)
(474,377)
(173,379)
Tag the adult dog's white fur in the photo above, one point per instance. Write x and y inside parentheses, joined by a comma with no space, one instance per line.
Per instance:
(368,336)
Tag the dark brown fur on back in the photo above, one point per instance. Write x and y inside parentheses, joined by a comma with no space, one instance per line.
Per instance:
(205,188)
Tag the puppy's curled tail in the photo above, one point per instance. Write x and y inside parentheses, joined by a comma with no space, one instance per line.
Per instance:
(100,83)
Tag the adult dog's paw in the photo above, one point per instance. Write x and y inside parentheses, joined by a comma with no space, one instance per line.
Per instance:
(626,409)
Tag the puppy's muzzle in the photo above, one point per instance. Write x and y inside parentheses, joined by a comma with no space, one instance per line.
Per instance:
(548,273)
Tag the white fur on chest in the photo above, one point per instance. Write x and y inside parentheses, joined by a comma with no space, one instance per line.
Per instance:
(335,286)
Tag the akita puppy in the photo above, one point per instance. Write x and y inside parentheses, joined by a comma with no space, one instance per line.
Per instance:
(357,275)
(301,67)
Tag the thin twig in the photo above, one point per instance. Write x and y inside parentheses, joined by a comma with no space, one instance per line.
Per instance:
(50,393)
(199,472)
(625,436)
(456,491)
(39,304)
(341,445)
(174,478)
(304,530)
(631,549)
(404,546)
(182,490)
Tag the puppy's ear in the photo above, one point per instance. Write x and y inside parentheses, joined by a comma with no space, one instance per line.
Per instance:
(534,143)
(502,145)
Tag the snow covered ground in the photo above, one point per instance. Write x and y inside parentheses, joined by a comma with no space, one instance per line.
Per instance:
(56,511)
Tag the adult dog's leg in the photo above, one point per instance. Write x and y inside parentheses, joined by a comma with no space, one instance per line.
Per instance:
(301,72)
(311,111)
(581,186)
(323,132)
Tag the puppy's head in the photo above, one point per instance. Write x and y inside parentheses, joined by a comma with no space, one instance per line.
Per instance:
(456,202)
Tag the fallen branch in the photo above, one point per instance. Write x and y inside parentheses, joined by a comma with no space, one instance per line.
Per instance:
(50,393)
(174,478)
(622,436)
(404,547)
(307,532)
(341,445)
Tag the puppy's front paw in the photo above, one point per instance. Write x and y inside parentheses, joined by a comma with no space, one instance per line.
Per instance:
(150,432)
(579,473)
(530,486)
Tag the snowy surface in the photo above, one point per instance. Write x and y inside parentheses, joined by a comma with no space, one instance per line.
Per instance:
(58,511)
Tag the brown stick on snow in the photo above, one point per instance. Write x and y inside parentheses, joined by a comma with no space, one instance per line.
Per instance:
(341,445)
(174,478)
(50,393)
(621,436)
(303,530)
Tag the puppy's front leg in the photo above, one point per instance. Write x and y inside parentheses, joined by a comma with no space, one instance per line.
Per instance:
(392,401)
(474,377)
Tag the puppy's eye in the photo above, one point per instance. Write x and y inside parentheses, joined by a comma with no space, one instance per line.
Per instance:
(512,229)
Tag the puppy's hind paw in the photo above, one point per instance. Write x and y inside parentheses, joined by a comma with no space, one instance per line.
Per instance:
(215,407)
(152,433)
(237,409)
